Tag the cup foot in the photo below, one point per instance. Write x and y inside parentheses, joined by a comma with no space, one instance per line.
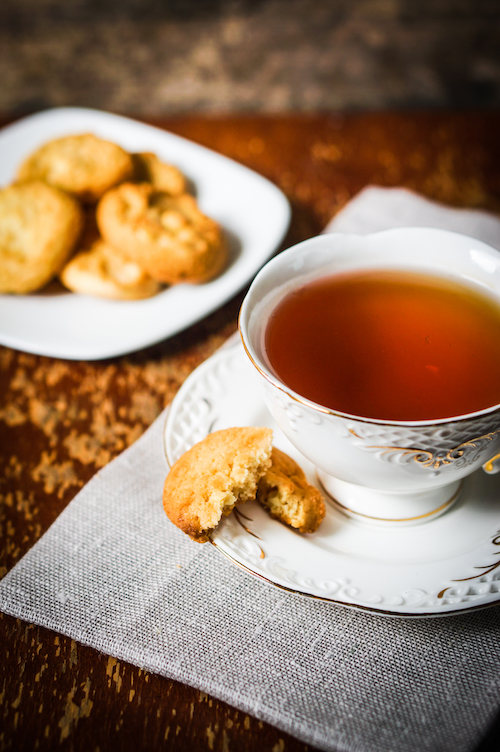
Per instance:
(385,507)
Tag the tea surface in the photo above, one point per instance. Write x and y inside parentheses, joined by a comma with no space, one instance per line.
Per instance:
(391,345)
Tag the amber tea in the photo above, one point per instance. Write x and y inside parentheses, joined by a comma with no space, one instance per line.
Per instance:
(389,345)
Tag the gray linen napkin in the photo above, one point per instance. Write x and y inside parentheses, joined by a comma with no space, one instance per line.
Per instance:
(113,573)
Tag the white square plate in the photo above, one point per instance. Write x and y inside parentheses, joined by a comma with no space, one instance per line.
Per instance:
(253,212)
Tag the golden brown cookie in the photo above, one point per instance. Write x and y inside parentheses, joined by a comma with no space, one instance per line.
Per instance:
(168,236)
(83,165)
(104,272)
(215,475)
(39,227)
(148,168)
(286,494)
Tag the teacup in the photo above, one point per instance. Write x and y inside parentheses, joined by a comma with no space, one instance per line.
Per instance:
(384,470)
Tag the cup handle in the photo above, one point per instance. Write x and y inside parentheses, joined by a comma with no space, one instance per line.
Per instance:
(492,466)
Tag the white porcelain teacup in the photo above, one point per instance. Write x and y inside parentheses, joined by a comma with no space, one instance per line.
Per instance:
(391,471)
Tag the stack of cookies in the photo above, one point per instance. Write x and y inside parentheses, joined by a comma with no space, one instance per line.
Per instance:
(106,222)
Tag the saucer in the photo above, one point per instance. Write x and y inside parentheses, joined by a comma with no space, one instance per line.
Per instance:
(447,565)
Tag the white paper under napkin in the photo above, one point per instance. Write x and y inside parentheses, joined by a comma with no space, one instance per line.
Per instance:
(113,573)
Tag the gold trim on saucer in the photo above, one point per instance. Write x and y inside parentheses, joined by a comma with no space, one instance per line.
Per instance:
(487,568)
(355,606)
(343,508)
(238,514)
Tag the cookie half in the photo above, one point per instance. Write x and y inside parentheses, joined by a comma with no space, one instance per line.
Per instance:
(39,227)
(288,497)
(167,235)
(83,165)
(215,475)
(104,272)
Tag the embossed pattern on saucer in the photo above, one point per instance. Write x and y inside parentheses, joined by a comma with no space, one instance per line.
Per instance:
(445,566)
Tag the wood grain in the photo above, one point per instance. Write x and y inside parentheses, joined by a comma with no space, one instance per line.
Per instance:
(61,421)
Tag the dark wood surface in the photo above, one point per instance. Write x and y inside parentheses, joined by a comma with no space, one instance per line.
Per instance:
(60,421)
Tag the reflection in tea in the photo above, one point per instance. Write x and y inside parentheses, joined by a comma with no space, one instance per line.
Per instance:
(387,344)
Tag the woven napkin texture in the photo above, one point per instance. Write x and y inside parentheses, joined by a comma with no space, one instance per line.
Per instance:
(113,573)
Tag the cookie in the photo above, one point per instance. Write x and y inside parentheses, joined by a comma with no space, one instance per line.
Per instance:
(215,475)
(288,497)
(104,272)
(148,168)
(83,165)
(39,227)
(167,235)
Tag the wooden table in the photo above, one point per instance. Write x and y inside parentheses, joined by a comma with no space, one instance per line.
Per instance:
(61,421)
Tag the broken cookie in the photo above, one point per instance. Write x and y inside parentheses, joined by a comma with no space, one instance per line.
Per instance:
(215,475)
(288,497)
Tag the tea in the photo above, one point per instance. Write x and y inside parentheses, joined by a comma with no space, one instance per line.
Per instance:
(389,345)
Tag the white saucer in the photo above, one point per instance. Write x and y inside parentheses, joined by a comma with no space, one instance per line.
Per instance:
(445,566)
